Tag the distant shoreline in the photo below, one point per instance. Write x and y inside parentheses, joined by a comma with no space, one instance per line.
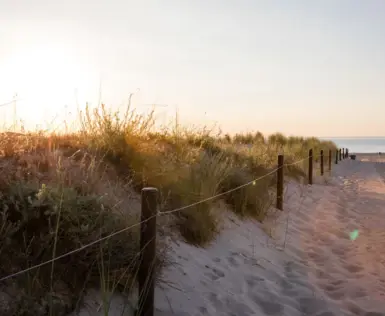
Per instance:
(354,137)
(367,154)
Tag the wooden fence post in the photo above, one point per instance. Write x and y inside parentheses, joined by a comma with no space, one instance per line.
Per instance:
(146,275)
(336,157)
(347,153)
(340,154)
(330,160)
(280,183)
(310,166)
(343,153)
(322,162)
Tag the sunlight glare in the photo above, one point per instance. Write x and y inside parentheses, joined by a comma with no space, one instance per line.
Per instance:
(46,78)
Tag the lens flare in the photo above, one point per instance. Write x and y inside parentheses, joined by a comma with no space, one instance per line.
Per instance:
(354,234)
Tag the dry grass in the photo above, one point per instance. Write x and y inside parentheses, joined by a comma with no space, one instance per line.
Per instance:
(60,192)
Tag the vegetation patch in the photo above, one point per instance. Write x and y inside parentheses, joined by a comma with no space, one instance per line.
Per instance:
(61,192)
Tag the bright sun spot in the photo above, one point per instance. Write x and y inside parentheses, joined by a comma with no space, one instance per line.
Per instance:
(45,78)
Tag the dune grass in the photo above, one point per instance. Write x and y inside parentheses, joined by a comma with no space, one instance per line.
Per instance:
(60,192)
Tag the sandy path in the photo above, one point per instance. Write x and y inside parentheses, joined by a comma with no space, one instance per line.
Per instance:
(314,269)
(310,267)
(351,273)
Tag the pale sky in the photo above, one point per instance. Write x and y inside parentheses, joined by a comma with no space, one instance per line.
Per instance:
(298,67)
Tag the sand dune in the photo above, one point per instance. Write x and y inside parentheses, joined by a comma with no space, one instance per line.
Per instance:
(309,267)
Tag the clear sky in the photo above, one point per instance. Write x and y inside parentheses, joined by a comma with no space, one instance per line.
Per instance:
(298,67)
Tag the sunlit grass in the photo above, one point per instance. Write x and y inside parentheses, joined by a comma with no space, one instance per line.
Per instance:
(61,191)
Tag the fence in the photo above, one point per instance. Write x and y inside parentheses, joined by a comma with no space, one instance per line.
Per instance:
(148,224)
(149,215)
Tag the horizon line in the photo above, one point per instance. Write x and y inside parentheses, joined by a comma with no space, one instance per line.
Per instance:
(341,137)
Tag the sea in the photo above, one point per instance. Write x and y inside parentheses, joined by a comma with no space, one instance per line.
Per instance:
(360,144)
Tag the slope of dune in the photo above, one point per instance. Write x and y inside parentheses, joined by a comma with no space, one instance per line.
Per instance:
(302,262)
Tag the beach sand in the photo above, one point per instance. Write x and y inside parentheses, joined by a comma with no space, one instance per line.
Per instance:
(302,262)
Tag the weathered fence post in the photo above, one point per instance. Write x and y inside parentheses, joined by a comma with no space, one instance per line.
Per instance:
(330,160)
(347,153)
(311,166)
(343,153)
(146,275)
(336,157)
(340,154)
(322,162)
(280,183)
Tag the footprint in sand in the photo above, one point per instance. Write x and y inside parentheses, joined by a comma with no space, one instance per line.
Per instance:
(339,234)
(203,310)
(297,253)
(214,274)
(230,305)
(353,268)
(294,270)
(336,295)
(235,308)
(324,240)
(234,261)
(293,284)
(328,287)
(317,256)
(287,286)
(355,309)
(339,251)
(183,258)
(181,270)
(216,301)
(311,305)
(268,303)
(357,292)
(321,274)
(303,286)
(253,281)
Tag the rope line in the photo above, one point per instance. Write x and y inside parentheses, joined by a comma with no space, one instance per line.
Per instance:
(296,162)
(10,102)
(132,226)
(220,194)
(77,250)
(144,221)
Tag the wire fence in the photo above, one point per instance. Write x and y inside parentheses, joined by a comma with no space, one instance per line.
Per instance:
(150,212)
(8,103)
